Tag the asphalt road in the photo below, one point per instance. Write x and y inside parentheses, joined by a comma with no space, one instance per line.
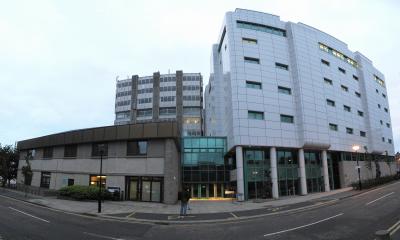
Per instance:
(357,217)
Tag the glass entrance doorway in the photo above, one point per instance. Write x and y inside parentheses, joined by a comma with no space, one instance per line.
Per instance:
(207,190)
(146,189)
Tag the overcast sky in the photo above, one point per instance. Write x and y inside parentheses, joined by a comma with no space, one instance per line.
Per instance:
(59,59)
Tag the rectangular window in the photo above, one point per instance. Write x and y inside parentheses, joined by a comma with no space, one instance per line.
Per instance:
(344,88)
(381,122)
(349,130)
(346,108)
(357,94)
(191,111)
(338,54)
(383,95)
(383,139)
(167,111)
(134,148)
(169,98)
(386,110)
(99,149)
(376,90)
(71,181)
(333,127)
(330,102)
(341,70)
(360,113)
(261,28)
(328,81)
(45,180)
(48,152)
(251,60)
(287,118)
(355,77)
(362,134)
(325,62)
(388,125)
(95,180)
(144,100)
(145,112)
(284,90)
(281,66)
(380,81)
(379,106)
(390,141)
(249,40)
(250,84)
(70,151)
(255,115)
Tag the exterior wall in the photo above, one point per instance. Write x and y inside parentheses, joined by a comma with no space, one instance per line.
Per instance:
(162,160)
(228,100)
(188,93)
(349,174)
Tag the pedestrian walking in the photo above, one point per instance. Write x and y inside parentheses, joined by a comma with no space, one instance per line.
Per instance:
(184,201)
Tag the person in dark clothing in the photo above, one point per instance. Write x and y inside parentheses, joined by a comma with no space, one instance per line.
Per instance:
(184,201)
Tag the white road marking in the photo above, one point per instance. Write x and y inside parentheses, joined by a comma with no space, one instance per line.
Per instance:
(27,214)
(101,236)
(130,215)
(393,229)
(379,198)
(376,189)
(234,215)
(307,225)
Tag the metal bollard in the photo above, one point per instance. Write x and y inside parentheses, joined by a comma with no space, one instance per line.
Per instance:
(382,235)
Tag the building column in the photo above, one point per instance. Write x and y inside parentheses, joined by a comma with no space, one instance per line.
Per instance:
(274,173)
(302,167)
(325,170)
(239,174)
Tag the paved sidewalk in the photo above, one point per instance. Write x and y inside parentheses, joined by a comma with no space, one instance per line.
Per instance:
(197,206)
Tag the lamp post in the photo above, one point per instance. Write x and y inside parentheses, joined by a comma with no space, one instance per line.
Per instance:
(356,148)
(101,151)
(255,172)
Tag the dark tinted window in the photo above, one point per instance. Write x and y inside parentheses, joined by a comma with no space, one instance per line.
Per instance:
(97,147)
(136,148)
(70,150)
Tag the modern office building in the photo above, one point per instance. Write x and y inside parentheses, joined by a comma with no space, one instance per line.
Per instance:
(293,101)
(142,159)
(168,97)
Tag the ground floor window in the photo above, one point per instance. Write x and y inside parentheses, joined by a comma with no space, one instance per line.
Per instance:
(146,189)
(208,190)
(95,180)
(71,182)
(45,180)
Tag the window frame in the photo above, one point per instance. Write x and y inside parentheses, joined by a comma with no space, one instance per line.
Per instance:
(133,153)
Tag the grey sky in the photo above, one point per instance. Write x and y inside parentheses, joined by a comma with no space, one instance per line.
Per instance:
(59,59)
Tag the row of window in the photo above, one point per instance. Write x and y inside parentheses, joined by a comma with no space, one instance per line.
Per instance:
(257,61)
(168,79)
(191,88)
(380,81)
(332,103)
(167,111)
(261,28)
(260,116)
(167,98)
(344,88)
(145,90)
(145,100)
(70,151)
(125,93)
(123,103)
(191,78)
(338,54)
(124,84)
(145,81)
(144,112)
(191,98)
(167,88)
(258,85)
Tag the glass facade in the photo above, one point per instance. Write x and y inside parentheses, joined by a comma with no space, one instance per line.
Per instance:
(288,177)
(257,173)
(204,170)
(315,179)
(146,189)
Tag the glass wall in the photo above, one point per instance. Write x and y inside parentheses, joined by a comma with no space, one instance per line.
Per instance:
(257,173)
(315,179)
(146,189)
(203,167)
(288,177)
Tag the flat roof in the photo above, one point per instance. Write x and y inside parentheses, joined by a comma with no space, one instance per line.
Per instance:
(151,130)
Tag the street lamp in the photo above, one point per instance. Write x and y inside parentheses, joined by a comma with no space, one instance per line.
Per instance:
(255,172)
(356,148)
(101,151)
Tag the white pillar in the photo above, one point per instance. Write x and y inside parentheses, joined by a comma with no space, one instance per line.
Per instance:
(325,170)
(302,168)
(274,173)
(239,173)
